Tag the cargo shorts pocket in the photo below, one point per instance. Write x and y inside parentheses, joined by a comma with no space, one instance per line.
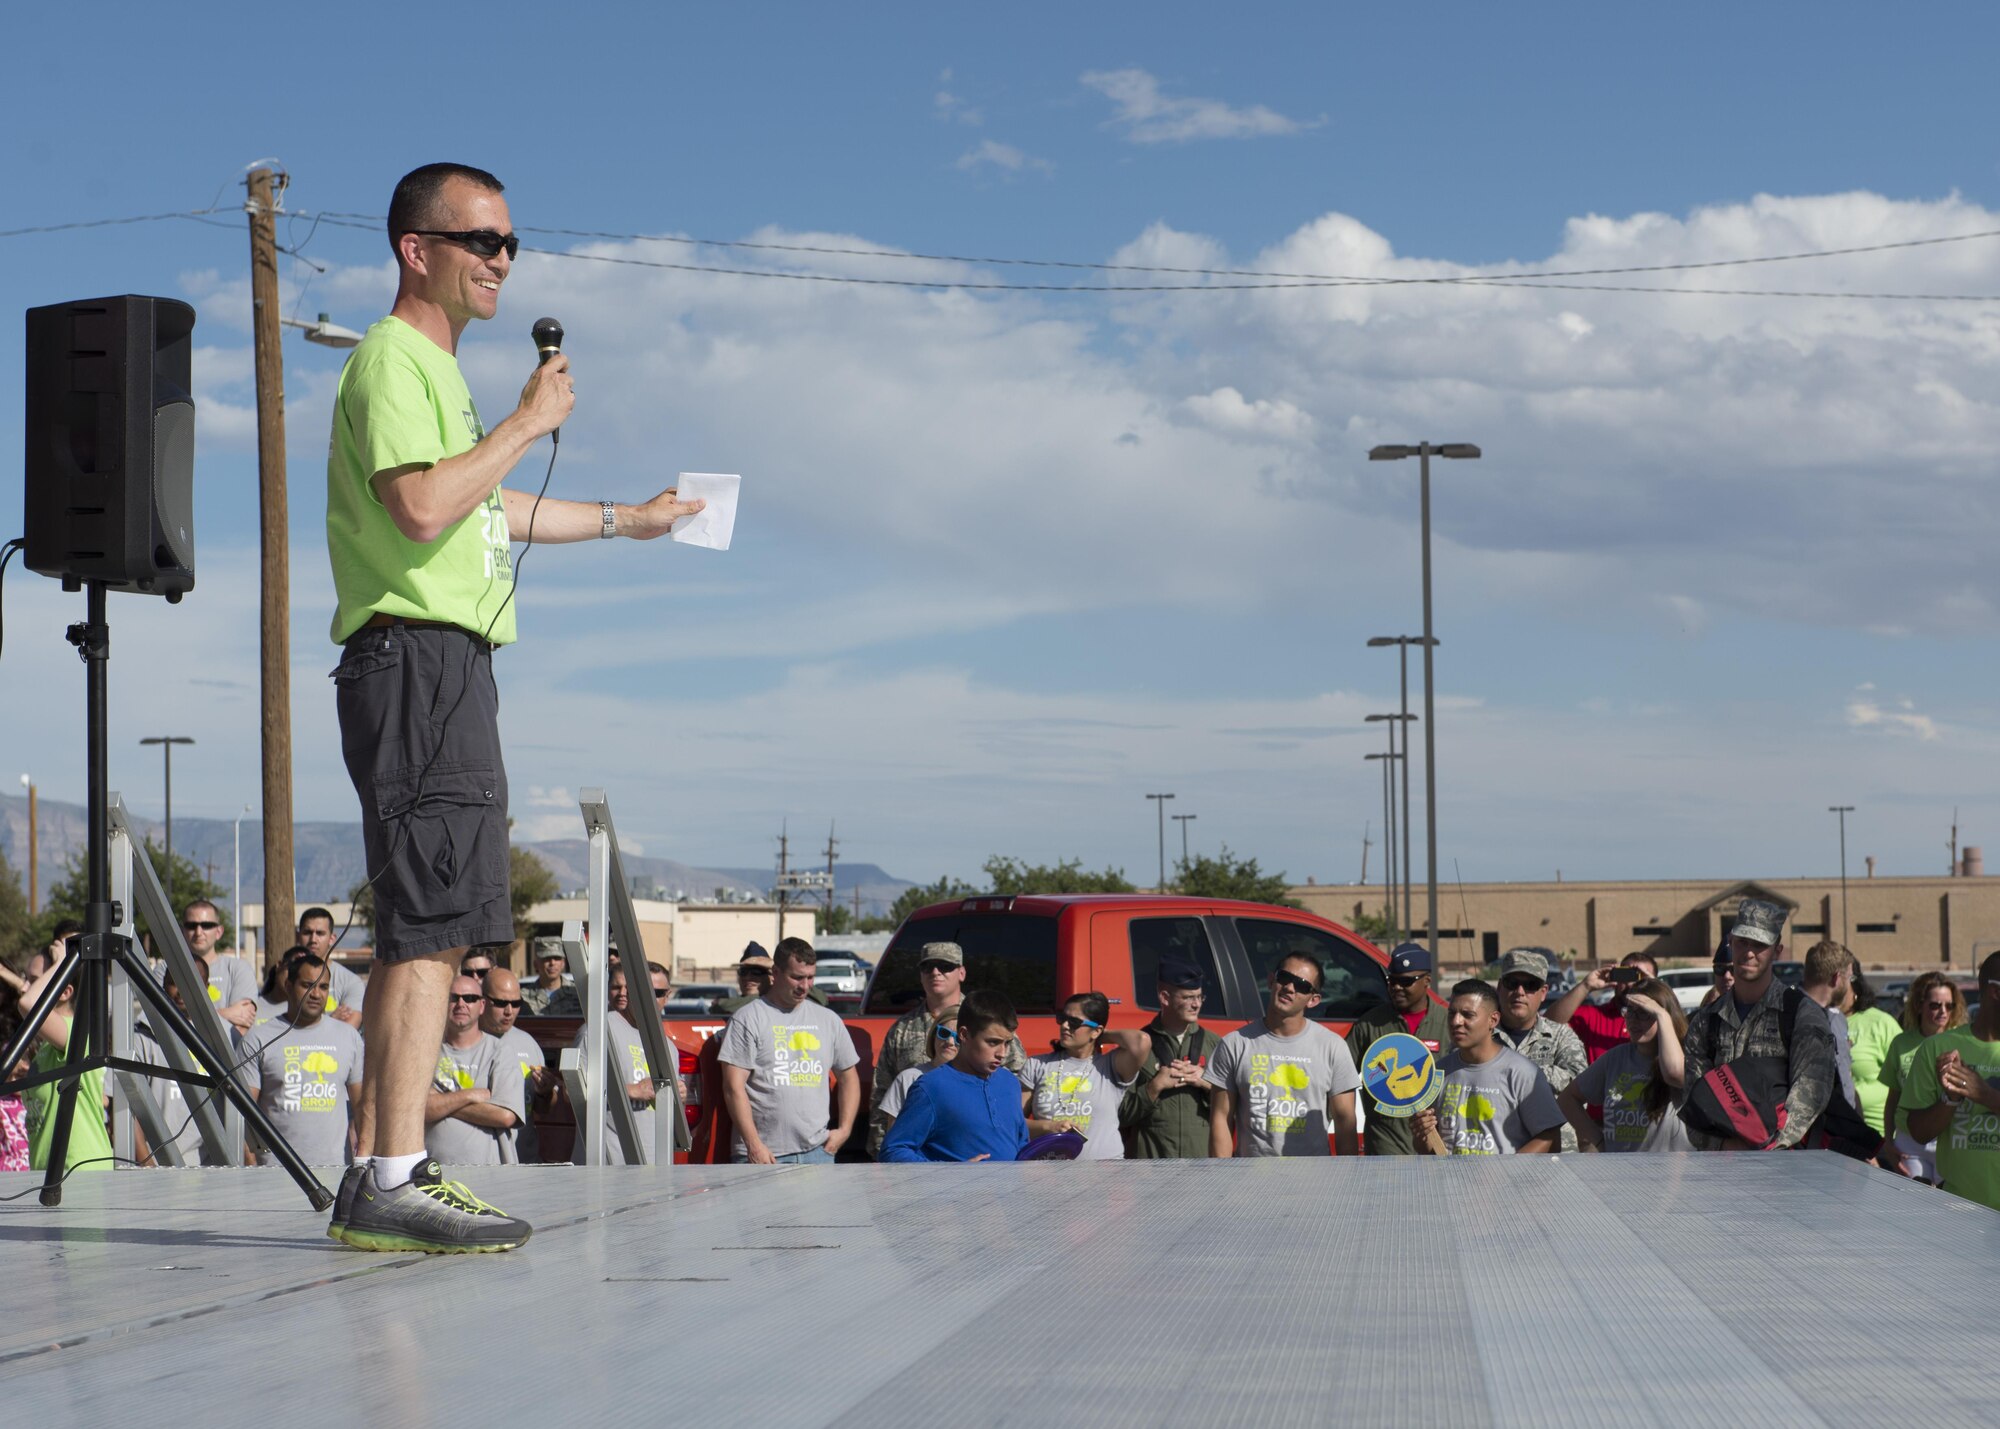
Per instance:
(368,697)
(442,851)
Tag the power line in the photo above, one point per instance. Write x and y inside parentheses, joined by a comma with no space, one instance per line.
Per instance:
(1542,278)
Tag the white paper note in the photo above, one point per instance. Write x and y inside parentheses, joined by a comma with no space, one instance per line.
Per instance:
(715,523)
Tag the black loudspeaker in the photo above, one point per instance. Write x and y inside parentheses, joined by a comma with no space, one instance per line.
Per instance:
(110,461)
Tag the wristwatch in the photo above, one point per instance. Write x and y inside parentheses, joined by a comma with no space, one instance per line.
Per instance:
(610,527)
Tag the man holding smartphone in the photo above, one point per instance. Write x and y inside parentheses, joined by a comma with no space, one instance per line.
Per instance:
(1602,1026)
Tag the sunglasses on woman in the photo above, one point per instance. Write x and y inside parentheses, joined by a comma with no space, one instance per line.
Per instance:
(1077,1024)
(485,242)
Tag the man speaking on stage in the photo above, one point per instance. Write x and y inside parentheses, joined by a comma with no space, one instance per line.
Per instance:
(418,528)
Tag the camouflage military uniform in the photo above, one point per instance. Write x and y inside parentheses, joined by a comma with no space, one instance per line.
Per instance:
(1717,1036)
(907,1045)
(1558,1051)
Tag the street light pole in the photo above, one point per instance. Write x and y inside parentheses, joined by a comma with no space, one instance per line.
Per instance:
(1184,820)
(1846,935)
(236,892)
(167,743)
(1424,451)
(1388,841)
(1161,800)
(1399,870)
(34,851)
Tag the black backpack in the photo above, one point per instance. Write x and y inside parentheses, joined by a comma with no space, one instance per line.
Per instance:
(1745,1099)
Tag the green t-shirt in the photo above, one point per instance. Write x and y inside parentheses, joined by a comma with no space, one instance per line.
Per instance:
(88,1137)
(1968,1153)
(1871,1034)
(1895,1069)
(403,402)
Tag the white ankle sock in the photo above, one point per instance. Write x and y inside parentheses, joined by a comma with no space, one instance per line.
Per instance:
(393,1171)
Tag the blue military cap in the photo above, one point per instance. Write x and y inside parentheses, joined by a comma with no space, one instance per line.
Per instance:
(1176,973)
(1409,958)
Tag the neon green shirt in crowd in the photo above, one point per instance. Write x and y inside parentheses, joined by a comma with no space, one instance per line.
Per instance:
(1870,1034)
(1896,1070)
(1968,1151)
(88,1138)
(403,402)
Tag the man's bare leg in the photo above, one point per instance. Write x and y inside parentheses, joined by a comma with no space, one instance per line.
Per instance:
(403,1022)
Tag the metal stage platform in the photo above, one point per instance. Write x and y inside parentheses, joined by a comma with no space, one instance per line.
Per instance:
(1603,1290)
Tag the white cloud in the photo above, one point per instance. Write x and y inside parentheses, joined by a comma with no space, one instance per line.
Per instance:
(1150,117)
(992,153)
(951,108)
(1225,410)
(1898,717)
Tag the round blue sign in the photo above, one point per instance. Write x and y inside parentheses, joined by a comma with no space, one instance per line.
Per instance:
(1400,1073)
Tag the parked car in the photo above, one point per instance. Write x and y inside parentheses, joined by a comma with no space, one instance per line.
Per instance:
(696,998)
(1690,985)
(841,978)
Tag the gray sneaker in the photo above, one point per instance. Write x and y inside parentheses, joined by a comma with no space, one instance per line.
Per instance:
(343,1199)
(428,1214)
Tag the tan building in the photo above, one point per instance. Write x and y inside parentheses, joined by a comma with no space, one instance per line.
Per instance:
(700,942)
(1919,923)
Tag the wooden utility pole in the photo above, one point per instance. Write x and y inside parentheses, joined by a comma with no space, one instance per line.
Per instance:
(832,843)
(274,531)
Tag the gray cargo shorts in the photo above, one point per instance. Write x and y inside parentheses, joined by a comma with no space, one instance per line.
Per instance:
(420,731)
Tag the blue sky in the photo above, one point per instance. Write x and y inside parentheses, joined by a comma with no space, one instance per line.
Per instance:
(1009,561)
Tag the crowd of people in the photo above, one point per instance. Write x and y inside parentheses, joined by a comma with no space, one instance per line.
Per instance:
(1614,1065)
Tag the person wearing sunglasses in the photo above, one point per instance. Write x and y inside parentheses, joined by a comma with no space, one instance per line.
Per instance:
(475,1096)
(420,533)
(304,1068)
(943,1046)
(1279,1086)
(1078,1088)
(1952,1090)
(941,982)
(520,1055)
(232,982)
(1552,1046)
(1932,1005)
(1409,1008)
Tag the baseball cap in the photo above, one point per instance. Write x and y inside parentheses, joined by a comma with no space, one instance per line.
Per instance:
(1527,963)
(1409,958)
(1183,975)
(1759,921)
(950,953)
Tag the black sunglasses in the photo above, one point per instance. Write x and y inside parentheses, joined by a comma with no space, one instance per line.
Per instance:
(467,997)
(1520,984)
(483,241)
(1283,980)
(1409,979)
(935,967)
(500,1002)
(1074,1024)
(199,927)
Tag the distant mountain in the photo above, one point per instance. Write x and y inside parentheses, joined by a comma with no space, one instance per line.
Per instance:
(328,859)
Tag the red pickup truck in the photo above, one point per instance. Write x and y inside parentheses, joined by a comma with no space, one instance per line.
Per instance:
(1042,948)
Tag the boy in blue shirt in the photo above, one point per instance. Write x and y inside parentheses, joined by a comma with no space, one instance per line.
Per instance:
(970,1108)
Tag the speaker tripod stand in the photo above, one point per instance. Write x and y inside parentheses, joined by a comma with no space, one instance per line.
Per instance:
(89,957)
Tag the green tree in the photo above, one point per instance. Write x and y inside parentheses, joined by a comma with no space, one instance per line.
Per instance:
(1227,876)
(17,931)
(836,920)
(67,898)
(1374,927)
(528,882)
(912,899)
(1010,875)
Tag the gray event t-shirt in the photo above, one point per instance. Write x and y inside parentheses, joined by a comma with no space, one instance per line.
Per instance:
(792,1057)
(1086,1093)
(1617,1082)
(622,1038)
(1281,1086)
(170,1098)
(302,1075)
(1490,1108)
(231,980)
(521,1056)
(899,1091)
(456,1142)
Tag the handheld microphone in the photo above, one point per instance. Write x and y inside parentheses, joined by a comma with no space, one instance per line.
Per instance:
(548,335)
